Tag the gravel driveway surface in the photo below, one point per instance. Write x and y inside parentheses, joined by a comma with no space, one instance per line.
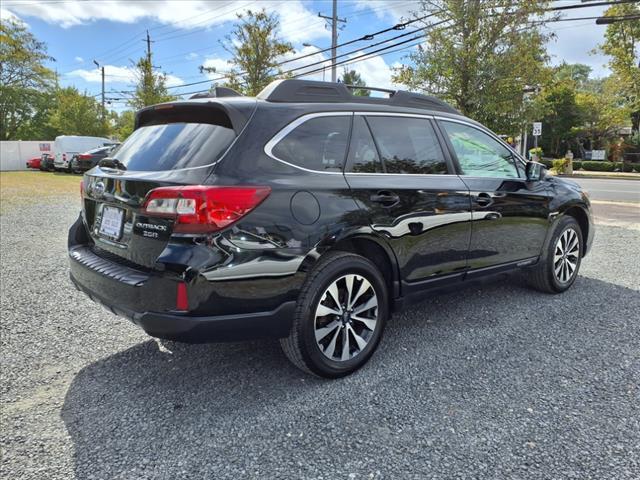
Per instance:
(495,381)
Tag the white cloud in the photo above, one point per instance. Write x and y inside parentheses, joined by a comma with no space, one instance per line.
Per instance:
(115,74)
(79,59)
(296,21)
(7,14)
(384,9)
(192,56)
(221,67)
(374,71)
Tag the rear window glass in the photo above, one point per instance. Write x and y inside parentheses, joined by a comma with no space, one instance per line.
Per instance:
(100,150)
(317,144)
(408,145)
(174,145)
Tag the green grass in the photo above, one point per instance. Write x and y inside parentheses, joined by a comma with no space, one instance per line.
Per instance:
(27,188)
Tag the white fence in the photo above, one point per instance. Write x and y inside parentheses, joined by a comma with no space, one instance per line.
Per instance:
(14,154)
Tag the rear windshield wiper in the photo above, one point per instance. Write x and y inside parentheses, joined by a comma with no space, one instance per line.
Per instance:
(112,163)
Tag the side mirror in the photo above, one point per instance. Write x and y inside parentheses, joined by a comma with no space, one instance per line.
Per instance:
(534,171)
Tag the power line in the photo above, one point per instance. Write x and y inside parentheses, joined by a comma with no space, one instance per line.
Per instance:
(399,26)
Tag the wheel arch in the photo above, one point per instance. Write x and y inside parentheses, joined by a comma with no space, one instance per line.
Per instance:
(368,245)
(582,217)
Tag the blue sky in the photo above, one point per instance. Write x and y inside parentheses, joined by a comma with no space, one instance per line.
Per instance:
(187,34)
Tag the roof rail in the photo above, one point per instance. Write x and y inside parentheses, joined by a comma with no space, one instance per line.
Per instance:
(217,92)
(306,91)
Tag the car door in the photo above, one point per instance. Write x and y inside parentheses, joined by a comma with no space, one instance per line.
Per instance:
(402,178)
(510,214)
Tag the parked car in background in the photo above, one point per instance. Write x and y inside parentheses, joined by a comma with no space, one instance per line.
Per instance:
(33,163)
(66,146)
(87,160)
(46,162)
(310,214)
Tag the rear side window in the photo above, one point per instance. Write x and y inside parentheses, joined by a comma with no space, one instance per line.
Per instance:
(363,156)
(173,146)
(317,144)
(407,145)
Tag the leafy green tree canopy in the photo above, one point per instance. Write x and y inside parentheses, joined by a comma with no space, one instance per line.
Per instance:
(151,87)
(255,49)
(77,114)
(483,60)
(352,77)
(23,80)
(622,44)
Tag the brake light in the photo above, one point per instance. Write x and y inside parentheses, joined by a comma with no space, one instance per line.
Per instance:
(203,209)
(64,156)
(84,157)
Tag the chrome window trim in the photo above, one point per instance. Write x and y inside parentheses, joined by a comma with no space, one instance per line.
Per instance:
(270,145)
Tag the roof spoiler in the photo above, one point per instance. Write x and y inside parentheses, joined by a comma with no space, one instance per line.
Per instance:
(217,92)
(321,92)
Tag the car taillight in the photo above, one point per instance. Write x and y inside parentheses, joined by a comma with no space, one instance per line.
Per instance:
(84,157)
(64,156)
(203,209)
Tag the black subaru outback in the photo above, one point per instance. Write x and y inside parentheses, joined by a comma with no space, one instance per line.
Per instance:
(309,214)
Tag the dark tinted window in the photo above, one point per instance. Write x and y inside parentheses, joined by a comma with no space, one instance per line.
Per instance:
(363,156)
(317,144)
(479,154)
(174,145)
(100,150)
(407,145)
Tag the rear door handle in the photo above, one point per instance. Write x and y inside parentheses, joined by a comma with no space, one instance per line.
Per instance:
(484,199)
(387,199)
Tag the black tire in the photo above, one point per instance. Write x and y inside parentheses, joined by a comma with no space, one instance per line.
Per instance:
(543,276)
(301,347)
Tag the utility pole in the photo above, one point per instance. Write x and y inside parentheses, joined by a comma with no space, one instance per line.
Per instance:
(334,36)
(102,71)
(148,48)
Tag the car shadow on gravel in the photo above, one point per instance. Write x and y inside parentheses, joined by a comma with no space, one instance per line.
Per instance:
(148,413)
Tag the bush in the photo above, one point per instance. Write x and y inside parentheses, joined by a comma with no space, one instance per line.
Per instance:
(577,164)
(536,151)
(595,166)
(630,167)
(561,166)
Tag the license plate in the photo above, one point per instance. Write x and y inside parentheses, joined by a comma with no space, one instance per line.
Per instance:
(111,223)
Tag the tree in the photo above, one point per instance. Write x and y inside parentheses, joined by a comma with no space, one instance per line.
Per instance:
(124,124)
(558,102)
(151,86)
(23,80)
(255,48)
(578,73)
(77,114)
(483,62)
(602,114)
(352,77)
(622,44)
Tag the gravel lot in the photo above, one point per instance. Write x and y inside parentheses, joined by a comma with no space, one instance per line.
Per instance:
(496,381)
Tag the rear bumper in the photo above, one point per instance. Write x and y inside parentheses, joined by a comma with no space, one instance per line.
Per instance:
(82,165)
(129,293)
(199,329)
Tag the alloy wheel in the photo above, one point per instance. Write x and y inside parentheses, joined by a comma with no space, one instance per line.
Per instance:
(346,317)
(566,255)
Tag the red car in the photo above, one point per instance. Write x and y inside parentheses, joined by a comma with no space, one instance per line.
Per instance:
(34,163)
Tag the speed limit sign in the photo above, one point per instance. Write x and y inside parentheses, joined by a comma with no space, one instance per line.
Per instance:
(537,129)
